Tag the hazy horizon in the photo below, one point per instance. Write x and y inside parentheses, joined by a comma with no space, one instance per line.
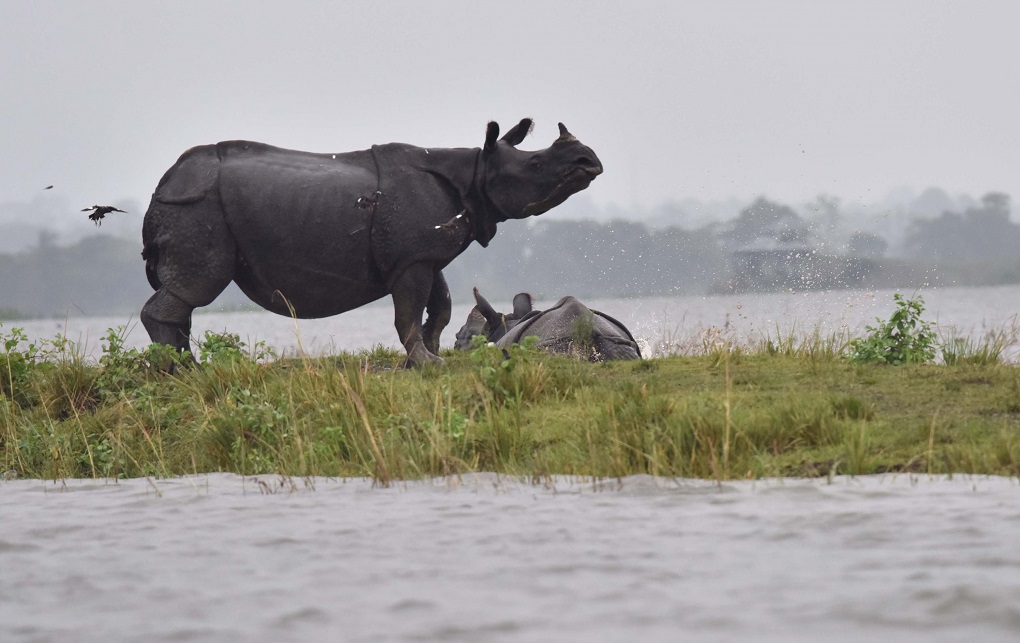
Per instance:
(680,100)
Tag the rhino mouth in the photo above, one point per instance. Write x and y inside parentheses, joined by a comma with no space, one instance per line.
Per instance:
(577,180)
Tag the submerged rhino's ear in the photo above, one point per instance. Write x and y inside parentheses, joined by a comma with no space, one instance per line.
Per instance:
(491,134)
(522,304)
(486,309)
(565,135)
(519,131)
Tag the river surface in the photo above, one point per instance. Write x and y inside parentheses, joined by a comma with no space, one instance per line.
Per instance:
(486,558)
(657,321)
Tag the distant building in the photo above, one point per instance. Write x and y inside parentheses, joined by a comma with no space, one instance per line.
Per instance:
(769,265)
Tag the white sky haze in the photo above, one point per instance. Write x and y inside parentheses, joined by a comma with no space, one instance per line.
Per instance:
(679,99)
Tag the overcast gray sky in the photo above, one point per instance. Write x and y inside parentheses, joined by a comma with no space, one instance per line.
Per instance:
(680,99)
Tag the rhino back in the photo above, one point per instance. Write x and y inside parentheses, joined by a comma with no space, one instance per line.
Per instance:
(570,326)
(299,225)
(558,322)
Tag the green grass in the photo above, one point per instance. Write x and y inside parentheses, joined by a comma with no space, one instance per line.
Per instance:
(780,408)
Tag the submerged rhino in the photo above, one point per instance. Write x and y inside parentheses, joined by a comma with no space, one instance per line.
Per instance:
(569,327)
(313,235)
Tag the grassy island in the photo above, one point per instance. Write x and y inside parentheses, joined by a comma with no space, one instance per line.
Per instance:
(782,408)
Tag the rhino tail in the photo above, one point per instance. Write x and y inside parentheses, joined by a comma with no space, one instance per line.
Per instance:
(150,253)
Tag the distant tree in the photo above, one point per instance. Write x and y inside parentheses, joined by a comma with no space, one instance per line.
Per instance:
(768,219)
(982,232)
(994,206)
(825,209)
(867,245)
(931,202)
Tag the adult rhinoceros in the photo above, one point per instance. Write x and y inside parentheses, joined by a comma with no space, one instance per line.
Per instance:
(568,327)
(314,235)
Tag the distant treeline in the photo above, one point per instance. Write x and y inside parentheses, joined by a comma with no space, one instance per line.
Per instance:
(548,257)
(105,275)
(983,232)
(99,275)
(618,259)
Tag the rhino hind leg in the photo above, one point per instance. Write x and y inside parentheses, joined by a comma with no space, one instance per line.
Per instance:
(438,310)
(412,291)
(167,319)
(191,257)
(167,315)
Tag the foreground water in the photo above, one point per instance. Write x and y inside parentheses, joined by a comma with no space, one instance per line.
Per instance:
(487,558)
(743,318)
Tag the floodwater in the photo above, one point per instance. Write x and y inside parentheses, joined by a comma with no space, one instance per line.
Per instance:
(487,558)
(655,320)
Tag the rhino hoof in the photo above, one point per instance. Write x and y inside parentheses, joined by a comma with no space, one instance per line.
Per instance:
(422,357)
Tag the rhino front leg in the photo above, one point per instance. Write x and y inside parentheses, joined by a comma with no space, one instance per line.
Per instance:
(411,292)
(438,311)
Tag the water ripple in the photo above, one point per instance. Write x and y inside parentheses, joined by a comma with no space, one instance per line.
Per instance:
(490,558)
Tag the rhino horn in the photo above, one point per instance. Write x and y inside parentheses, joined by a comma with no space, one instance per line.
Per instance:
(518,132)
(522,305)
(487,311)
(565,136)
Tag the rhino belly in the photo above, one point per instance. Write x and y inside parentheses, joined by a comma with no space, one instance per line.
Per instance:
(302,234)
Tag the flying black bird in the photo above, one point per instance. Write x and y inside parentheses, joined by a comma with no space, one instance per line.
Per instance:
(100,211)
(48,187)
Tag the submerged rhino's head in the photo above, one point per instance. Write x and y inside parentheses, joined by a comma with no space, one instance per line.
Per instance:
(485,321)
(522,184)
(476,324)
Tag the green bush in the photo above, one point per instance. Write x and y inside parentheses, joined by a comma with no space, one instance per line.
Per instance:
(227,347)
(16,363)
(128,369)
(904,339)
(511,375)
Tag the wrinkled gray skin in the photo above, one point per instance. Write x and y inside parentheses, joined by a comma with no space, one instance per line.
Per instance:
(313,235)
(569,327)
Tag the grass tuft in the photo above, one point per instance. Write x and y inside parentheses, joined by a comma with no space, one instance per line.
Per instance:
(712,408)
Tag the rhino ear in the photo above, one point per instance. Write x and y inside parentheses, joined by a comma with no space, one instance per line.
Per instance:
(486,309)
(522,305)
(519,131)
(565,135)
(491,134)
